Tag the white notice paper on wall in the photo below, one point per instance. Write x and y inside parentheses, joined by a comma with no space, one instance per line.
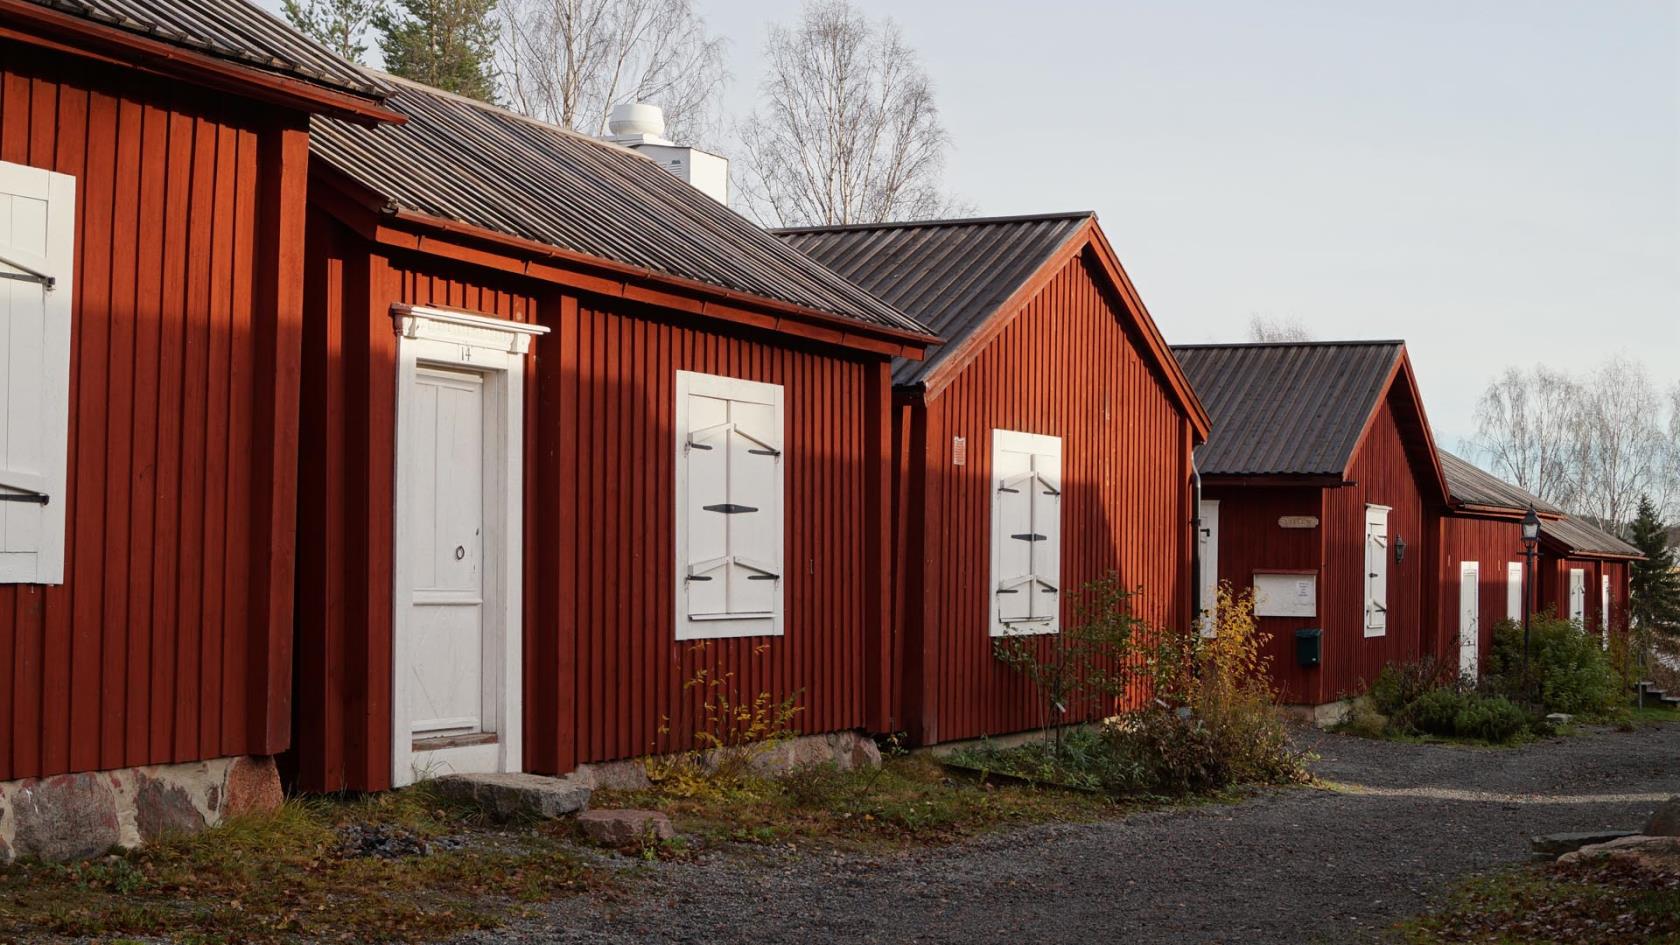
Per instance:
(1285,595)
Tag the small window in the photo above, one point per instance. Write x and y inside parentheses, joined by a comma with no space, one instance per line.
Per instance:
(729,507)
(1026,593)
(1376,571)
(37,257)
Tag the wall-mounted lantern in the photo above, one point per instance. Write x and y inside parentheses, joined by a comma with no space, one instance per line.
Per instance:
(1399,549)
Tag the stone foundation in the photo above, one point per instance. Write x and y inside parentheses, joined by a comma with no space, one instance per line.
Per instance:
(1324,716)
(844,750)
(76,816)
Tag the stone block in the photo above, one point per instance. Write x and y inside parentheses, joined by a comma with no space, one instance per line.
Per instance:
(1665,820)
(513,796)
(68,817)
(253,786)
(622,828)
(162,808)
(1553,845)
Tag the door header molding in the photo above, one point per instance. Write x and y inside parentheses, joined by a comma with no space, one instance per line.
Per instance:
(424,323)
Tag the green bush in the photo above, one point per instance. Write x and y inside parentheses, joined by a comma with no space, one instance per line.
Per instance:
(1363,719)
(1569,671)
(1401,684)
(1179,754)
(1490,718)
(1435,712)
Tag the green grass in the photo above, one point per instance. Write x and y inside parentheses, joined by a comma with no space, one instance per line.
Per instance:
(287,875)
(1602,902)
(910,800)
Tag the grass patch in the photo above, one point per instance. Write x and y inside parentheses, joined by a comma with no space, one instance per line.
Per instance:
(1606,902)
(909,800)
(399,866)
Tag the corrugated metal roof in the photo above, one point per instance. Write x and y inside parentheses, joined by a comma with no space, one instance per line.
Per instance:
(1578,537)
(951,274)
(228,29)
(1294,409)
(465,161)
(1472,485)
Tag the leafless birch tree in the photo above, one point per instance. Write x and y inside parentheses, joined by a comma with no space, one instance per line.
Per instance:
(847,131)
(571,61)
(1592,445)
(1265,328)
(1523,422)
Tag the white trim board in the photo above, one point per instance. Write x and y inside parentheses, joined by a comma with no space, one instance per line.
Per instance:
(495,351)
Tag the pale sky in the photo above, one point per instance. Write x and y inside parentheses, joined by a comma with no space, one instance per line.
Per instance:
(1495,182)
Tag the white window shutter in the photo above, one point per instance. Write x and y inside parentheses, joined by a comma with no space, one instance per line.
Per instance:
(729,515)
(37,277)
(1376,571)
(1604,609)
(1026,580)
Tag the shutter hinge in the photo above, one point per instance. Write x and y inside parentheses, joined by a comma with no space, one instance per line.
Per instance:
(26,274)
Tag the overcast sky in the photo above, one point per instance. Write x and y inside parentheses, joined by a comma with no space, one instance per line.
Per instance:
(1495,182)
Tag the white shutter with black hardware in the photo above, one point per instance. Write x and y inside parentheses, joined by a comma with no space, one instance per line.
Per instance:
(729,507)
(1376,571)
(1578,597)
(1026,580)
(37,259)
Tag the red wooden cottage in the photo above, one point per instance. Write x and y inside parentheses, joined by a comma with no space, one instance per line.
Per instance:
(573,433)
(1580,572)
(153,162)
(1322,492)
(1044,445)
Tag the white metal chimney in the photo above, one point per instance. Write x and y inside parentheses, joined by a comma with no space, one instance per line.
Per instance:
(641,128)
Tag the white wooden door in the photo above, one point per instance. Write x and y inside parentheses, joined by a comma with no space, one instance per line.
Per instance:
(1469,617)
(1604,610)
(1209,562)
(1514,591)
(446,694)
(1578,597)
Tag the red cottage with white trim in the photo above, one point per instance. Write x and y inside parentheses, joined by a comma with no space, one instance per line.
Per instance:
(1322,491)
(573,434)
(1044,445)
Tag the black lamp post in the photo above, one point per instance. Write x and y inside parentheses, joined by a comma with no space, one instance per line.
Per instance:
(1530,538)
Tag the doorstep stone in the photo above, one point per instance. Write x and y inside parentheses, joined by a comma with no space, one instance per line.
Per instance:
(1638,849)
(67,817)
(621,828)
(1553,845)
(518,796)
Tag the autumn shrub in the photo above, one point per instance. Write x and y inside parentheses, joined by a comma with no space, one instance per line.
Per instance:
(1398,685)
(735,728)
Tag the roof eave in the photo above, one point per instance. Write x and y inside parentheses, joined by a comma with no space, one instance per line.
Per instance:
(52,29)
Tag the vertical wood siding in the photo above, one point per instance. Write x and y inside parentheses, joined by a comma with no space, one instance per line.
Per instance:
(1383,473)
(168,640)
(1064,366)
(1492,543)
(604,674)
(1251,540)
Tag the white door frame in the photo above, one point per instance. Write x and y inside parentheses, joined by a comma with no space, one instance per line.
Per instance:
(1469,618)
(495,349)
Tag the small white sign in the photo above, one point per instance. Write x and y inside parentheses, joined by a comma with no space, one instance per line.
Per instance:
(1285,595)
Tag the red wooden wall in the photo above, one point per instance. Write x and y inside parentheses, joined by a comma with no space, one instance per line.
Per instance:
(604,674)
(1067,366)
(1383,472)
(1554,587)
(1251,540)
(1492,543)
(169,639)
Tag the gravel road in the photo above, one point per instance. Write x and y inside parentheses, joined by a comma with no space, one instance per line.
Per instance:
(1297,866)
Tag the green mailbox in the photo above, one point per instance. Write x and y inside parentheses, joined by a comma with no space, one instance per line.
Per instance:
(1308,645)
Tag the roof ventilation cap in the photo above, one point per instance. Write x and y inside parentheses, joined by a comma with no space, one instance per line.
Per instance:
(637,120)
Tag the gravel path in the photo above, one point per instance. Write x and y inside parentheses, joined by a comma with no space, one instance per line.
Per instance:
(1293,867)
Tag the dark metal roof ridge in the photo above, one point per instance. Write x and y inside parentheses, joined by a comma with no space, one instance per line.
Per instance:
(946,221)
(1370,342)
